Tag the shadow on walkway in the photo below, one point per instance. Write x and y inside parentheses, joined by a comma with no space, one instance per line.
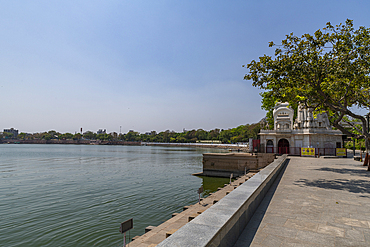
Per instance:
(350,185)
(355,172)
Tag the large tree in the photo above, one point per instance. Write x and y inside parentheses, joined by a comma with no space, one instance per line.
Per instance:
(327,71)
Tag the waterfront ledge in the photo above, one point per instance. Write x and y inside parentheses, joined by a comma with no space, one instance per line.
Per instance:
(222,224)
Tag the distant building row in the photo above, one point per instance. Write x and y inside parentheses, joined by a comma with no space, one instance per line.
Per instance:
(12,131)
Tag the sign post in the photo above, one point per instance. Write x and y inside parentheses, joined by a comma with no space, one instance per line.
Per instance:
(341,152)
(125,226)
(200,190)
(308,152)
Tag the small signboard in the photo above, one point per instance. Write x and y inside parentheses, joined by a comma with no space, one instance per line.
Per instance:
(308,152)
(341,152)
(200,190)
(127,225)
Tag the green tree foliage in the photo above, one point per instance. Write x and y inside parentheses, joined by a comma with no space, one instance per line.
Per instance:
(6,135)
(89,135)
(359,144)
(104,137)
(241,133)
(22,136)
(327,71)
(46,136)
(131,136)
(77,136)
(54,133)
(65,136)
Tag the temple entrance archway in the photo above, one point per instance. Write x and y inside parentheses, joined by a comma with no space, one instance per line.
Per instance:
(269,146)
(283,146)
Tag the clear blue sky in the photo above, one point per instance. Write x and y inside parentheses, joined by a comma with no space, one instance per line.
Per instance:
(144,65)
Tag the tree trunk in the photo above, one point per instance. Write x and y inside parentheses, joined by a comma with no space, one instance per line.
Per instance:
(367,157)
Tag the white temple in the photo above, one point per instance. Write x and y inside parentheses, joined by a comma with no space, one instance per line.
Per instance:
(305,131)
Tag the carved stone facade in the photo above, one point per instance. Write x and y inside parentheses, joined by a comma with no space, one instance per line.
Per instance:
(283,116)
(305,131)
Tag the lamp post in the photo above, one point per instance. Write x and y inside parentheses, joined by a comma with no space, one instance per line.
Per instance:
(368,131)
(367,143)
(354,146)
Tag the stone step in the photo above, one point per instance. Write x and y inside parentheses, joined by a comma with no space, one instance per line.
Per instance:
(169,233)
(149,228)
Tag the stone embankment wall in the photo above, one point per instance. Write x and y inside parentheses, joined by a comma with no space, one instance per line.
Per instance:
(223,164)
(222,224)
(156,234)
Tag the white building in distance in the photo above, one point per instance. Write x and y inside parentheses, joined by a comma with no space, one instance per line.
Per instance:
(306,131)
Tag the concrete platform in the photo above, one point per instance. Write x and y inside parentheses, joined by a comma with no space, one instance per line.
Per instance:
(314,202)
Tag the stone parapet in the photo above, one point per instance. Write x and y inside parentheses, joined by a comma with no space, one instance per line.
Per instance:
(222,224)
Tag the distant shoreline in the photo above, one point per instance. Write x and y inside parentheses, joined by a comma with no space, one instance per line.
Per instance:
(240,147)
(75,142)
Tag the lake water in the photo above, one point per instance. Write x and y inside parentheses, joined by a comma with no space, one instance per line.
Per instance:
(77,195)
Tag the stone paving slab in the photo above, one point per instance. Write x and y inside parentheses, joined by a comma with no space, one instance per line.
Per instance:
(314,202)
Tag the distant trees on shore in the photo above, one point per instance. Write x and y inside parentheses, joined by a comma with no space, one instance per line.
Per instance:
(241,133)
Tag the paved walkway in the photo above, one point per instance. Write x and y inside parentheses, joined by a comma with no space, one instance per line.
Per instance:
(316,202)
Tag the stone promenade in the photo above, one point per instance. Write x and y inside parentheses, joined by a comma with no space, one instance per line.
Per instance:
(315,202)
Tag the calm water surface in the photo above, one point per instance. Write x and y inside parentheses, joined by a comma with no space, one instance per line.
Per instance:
(77,195)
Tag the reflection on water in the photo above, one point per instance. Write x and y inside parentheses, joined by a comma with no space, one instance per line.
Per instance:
(76,195)
(210,184)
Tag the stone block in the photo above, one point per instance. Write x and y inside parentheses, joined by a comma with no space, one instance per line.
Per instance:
(134,238)
(201,211)
(149,228)
(191,217)
(169,233)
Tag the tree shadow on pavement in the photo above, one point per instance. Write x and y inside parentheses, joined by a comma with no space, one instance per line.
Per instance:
(350,185)
(356,172)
